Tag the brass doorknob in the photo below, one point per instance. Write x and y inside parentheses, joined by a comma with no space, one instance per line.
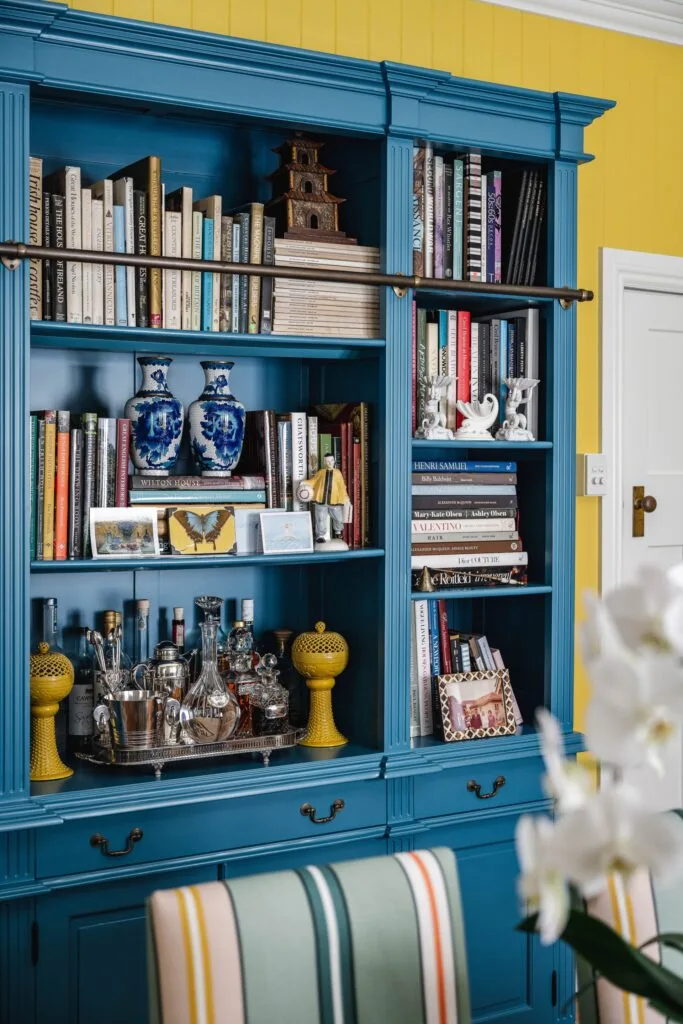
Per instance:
(648,503)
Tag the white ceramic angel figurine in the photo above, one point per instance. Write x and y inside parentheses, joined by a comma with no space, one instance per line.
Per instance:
(434,421)
(514,426)
(479,417)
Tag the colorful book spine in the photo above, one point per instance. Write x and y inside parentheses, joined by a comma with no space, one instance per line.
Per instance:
(458,218)
(245,229)
(463,501)
(312,426)
(197,240)
(255,256)
(429,210)
(104,191)
(102,480)
(457,561)
(59,266)
(97,230)
(496,216)
(121,283)
(50,418)
(472,489)
(449,579)
(235,280)
(141,249)
(465,512)
(434,641)
(452,528)
(75,545)
(284,441)
(62,485)
(437,480)
(123,197)
(414,687)
(421,360)
(299,457)
(89,500)
(458,466)
(40,488)
(86,242)
(463,359)
(180,202)
(72,229)
(195,483)
(439,217)
(448,211)
(503,369)
(47,265)
(267,283)
(357,493)
(35,236)
(473,216)
(34,482)
(225,312)
(452,367)
(444,643)
(123,428)
(111,462)
(197,497)
(419,210)
(207,278)
(173,278)
(424,678)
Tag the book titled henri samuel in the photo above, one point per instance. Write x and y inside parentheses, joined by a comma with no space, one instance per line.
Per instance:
(190,483)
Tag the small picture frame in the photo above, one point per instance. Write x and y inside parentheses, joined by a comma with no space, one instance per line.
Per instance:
(202,530)
(124,533)
(286,533)
(475,705)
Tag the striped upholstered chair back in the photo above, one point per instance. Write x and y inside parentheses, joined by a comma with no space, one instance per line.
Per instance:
(377,941)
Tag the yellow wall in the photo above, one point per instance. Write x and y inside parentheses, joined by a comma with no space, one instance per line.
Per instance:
(629,198)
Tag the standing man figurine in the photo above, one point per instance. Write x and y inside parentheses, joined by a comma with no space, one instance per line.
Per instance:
(327,492)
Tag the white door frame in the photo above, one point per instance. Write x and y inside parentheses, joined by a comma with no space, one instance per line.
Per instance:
(621,269)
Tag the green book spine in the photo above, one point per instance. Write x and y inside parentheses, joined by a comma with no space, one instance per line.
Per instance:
(421,357)
(458,189)
(324,448)
(34,483)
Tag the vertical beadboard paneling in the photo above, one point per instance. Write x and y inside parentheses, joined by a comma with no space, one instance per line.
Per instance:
(384,30)
(449,42)
(352,26)
(283,22)
(247,20)
(142,9)
(417,20)
(318,25)
(478,21)
(507,45)
(211,17)
(397,233)
(16,981)
(14,615)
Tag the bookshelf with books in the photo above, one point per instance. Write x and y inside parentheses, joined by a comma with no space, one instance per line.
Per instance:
(190,139)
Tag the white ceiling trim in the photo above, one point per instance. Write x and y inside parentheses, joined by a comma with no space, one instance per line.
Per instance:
(654,19)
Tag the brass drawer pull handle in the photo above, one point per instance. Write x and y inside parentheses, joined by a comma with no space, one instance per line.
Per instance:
(475,787)
(308,811)
(134,836)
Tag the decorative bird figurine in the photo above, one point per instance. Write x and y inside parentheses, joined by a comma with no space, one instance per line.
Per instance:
(479,417)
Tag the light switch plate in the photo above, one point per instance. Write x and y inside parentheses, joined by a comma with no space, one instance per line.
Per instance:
(591,475)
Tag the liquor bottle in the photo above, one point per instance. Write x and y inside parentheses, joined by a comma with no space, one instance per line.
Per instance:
(290,679)
(81,698)
(240,638)
(141,630)
(178,629)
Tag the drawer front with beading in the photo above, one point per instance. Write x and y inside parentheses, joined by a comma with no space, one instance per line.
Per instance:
(465,788)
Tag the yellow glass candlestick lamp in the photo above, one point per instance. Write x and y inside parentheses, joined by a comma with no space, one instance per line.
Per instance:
(52,677)
(319,657)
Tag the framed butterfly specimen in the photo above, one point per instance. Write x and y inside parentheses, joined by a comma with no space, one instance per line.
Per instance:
(202,530)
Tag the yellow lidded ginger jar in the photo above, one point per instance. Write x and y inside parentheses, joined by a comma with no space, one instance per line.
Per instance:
(52,678)
(319,657)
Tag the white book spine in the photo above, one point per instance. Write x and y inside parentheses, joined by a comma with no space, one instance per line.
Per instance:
(216,296)
(448,538)
(489,663)
(299,457)
(101,479)
(186,278)
(432,350)
(429,210)
(452,358)
(473,490)
(483,227)
(487,561)
(173,281)
(196,299)
(104,191)
(313,461)
(86,243)
(97,210)
(438,217)
(236,236)
(424,669)
(474,360)
(73,234)
(532,369)
(414,698)
(123,196)
(447,527)
(163,251)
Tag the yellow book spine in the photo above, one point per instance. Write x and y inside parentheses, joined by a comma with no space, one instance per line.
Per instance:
(255,256)
(154,229)
(49,492)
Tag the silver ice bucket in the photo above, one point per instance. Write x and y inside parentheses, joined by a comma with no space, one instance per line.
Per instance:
(138,719)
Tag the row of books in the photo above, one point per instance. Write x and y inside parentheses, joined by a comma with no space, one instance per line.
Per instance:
(326,308)
(437,650)
(478,355)
(458,219)
(288,448)
(130,212)
(77,463)
(465,525)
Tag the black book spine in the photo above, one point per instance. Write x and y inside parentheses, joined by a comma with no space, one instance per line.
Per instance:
(448,218)
(536,236)
(75,548)
(521,360)
(514,245)
(141,249)
(48,313)
(58,242)
(512,349)
(529,201)
(244,280)
(484,360)
(267,282)
(433,502)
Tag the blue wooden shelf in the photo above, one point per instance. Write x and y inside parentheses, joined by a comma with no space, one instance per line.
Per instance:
(87,337)
(421,443)
(201,561)
(462,594)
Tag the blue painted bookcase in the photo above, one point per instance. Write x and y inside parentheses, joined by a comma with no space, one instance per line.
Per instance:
(98,92)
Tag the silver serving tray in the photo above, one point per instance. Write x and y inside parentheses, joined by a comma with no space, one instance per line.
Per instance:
(157,757)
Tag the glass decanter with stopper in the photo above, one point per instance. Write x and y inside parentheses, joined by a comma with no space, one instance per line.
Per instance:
(211,606)
(209,713)
(269,700)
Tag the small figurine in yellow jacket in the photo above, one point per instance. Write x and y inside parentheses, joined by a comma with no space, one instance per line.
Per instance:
(327,492)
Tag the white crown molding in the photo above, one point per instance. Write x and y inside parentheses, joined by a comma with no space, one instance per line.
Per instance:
(654,19)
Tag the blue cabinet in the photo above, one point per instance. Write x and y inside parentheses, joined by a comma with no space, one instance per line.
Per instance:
(78,88)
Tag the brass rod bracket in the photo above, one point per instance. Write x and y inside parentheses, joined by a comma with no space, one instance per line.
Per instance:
(398,291)
(11,264)
(566,303)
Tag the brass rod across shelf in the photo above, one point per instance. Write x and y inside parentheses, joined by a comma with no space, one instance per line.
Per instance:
(12,252)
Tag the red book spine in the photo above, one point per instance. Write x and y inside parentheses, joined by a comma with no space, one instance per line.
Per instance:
(463,391)
(122,447)
(444,639)
(357,537)
(345,472)
(62,487)
(414,390)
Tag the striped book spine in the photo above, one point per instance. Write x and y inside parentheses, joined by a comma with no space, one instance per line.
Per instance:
(473,216)
(34,483)
(496,213)
(62,485)
(458,219)
(50,418)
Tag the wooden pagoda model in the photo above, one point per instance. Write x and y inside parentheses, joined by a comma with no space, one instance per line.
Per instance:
(302,205)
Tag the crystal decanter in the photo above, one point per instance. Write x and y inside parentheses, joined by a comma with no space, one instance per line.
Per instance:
(210,713)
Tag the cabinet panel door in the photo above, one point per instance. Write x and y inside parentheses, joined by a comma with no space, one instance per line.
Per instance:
(510,973)
(92,963)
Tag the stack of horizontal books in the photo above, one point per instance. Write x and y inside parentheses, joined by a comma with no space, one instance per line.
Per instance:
(465,525)
(326,308)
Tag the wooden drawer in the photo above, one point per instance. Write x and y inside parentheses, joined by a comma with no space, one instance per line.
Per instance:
(188,830)
(453,790)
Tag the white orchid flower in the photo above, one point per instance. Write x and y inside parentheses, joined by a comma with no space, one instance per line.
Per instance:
(612,833)
(599,634)
(541,884)
(566,782)
(636,709)
(648,614)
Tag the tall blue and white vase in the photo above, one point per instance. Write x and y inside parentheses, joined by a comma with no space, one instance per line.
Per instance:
(216,422)
(156,420)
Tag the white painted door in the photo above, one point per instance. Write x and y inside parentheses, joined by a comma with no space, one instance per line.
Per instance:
(652,457)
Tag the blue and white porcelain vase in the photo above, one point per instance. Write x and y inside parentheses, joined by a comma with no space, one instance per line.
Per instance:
(216,422)
(156,420)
